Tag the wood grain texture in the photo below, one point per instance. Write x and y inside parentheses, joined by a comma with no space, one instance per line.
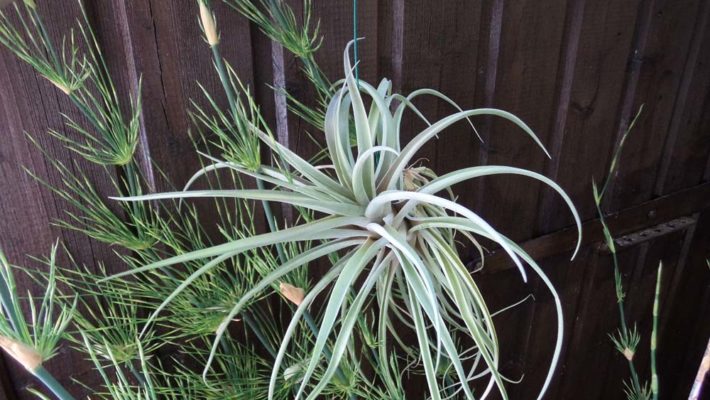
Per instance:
(688,144)
(660,53)
(531,42)
(589,98)
(576,71)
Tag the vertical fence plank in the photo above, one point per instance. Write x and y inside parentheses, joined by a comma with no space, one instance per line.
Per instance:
(590,349)
(659,56)
(530,47)
(684,330)
(688,144)
(587,126)
(535,353)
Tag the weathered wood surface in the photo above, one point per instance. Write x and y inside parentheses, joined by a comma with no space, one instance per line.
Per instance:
(576,71)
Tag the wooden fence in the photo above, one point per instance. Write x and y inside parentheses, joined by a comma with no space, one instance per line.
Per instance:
(576,71)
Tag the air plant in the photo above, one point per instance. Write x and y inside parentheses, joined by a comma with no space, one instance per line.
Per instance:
(396,235)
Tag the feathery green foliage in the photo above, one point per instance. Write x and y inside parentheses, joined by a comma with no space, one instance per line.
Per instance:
(279,22)
(388,227)
(33,342)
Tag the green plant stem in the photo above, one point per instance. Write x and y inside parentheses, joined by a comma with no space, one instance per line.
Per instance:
(624,325)
(134,187)
(318,78)
(45,36)
(654,334)
(222,72)
(272,222)
(622,316)
(326,350)
(84,110)
(231,98)
(355,55)
(138,375)
(618,284)
(6,299)
(52,384)
(259,335)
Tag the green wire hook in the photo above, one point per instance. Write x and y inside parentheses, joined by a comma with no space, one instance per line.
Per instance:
(355,56)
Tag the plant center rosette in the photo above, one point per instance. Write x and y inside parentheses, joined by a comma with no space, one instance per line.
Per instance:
(390,227)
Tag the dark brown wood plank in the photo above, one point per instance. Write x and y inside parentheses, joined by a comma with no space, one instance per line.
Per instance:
(569,279)
(584,130)
(659,57)
(681,203)
(688,144)
(420,65)
(590,349)
(526,80)
(455,55)
(685,331)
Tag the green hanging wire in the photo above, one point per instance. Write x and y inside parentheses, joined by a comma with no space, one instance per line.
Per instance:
(357,76)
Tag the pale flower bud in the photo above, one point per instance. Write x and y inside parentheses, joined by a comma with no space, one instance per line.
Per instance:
(61,86)
(292,373)
(31,4)
(294,294)
(208,24)
(629,354)
(25,355)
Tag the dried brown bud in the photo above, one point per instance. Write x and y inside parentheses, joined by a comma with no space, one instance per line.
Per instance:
(294,294)
(208,24)
(24,354)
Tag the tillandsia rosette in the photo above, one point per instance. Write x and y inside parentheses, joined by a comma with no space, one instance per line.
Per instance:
(389,227)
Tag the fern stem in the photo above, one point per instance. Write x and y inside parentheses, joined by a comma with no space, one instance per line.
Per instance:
(45,37)
(6,300)
(622,317)
(224,79)
(259,335)
(231,98)
(654,334)
(52,384)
